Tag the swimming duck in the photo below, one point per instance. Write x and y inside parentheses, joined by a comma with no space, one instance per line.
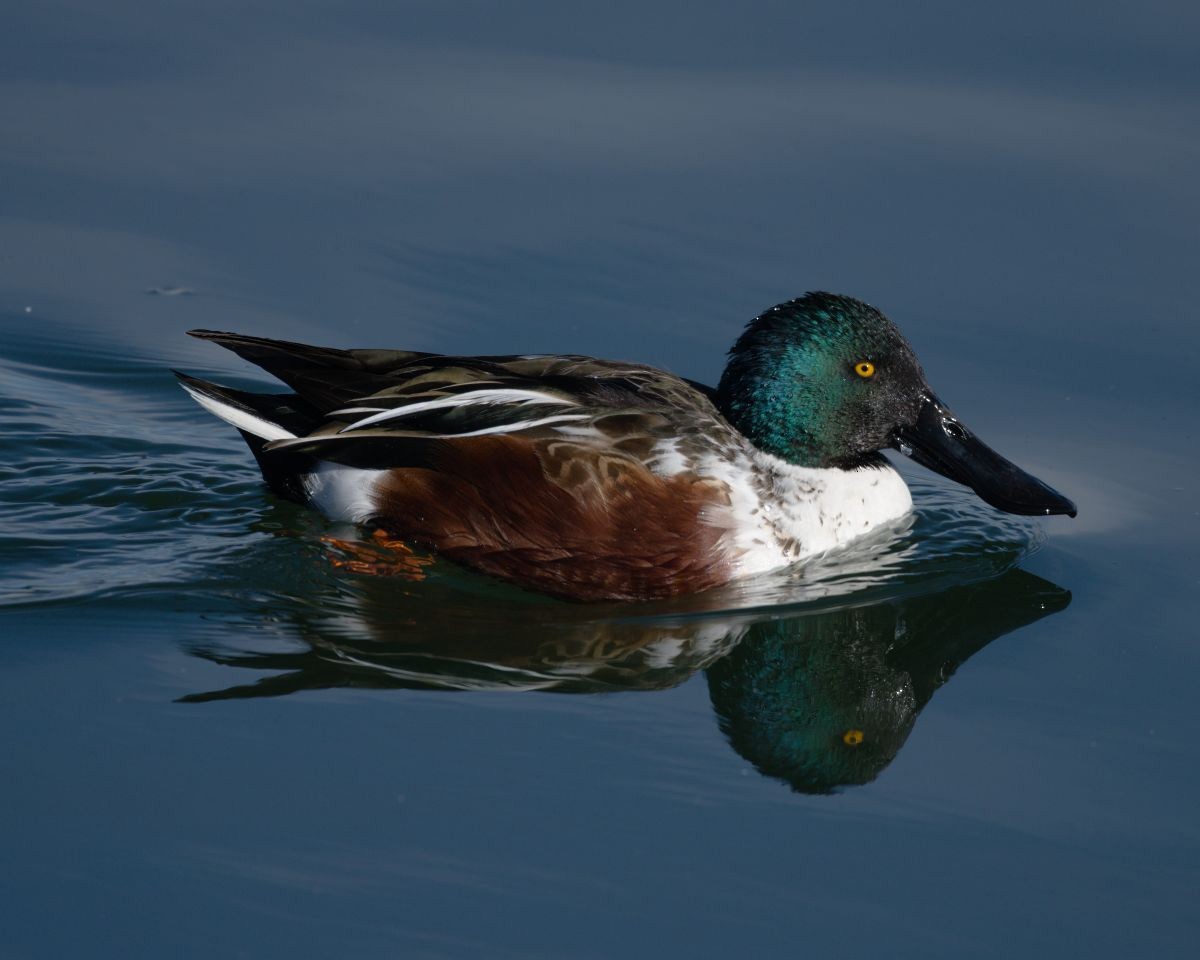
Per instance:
(595,479)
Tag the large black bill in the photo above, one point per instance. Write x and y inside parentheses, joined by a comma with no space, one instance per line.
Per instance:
(938,441)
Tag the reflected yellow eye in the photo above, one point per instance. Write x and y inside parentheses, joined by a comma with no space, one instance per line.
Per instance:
(852,738)
(865,369)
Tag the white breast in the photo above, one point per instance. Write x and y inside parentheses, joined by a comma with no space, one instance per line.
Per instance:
(782,513)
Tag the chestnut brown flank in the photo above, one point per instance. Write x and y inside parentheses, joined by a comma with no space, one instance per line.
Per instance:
(604,529)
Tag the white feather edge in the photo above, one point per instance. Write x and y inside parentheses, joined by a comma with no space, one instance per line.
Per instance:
(499,395)
(238,416)
(291,441)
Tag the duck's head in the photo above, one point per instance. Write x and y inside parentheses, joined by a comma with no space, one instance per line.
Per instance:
(828,381)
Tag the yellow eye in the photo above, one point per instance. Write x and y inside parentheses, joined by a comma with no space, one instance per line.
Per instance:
(865,369)
(852,738)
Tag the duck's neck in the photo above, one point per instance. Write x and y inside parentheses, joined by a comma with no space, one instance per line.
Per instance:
(770,407)
(769,427)
(776,391)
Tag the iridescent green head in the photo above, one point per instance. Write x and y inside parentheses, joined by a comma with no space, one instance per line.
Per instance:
(827,381)
(821,381)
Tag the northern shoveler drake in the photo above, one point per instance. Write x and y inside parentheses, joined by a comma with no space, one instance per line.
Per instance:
(597,480)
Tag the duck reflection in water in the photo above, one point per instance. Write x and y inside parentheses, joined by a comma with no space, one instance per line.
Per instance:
(827,701)
(820,697)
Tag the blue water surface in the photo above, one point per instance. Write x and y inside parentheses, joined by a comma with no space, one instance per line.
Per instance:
(970,735)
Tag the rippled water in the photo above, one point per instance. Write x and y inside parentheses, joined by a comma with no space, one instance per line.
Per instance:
(970,735)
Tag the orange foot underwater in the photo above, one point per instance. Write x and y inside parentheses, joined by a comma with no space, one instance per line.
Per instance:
(382,557)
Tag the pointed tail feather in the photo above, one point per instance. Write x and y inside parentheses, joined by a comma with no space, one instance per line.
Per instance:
(286,359)
(262,418)
(325,377)
(265,416)
(275,354)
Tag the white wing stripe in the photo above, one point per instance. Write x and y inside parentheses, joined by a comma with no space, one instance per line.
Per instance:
(291,441)
(513,427)
(508,395)
(241,418)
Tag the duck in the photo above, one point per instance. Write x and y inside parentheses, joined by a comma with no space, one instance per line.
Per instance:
(602,480)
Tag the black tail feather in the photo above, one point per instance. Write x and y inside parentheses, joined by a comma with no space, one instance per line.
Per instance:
(307,369)
(289,410)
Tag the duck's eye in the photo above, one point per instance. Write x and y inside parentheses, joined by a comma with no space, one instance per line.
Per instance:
(865,369)
(852,738)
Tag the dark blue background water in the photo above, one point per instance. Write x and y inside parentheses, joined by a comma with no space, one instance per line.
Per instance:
(218,744)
